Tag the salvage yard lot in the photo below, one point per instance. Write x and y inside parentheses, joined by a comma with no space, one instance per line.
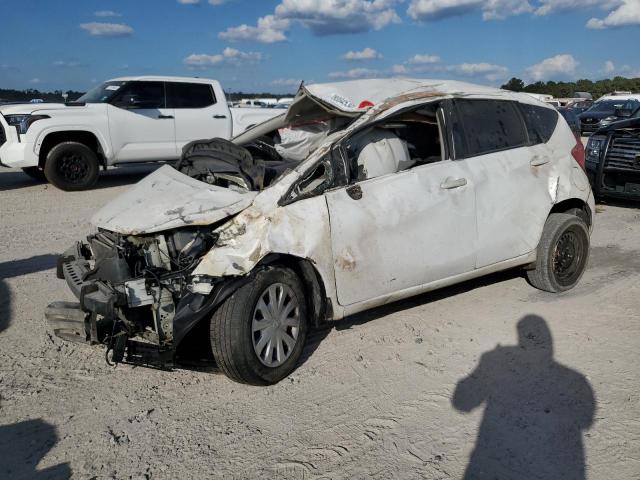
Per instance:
(372,399)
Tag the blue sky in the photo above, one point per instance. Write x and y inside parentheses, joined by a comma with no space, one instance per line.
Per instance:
(270,45)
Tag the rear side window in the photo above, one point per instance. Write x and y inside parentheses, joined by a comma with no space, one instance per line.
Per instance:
(490,126)
(189,95)
(541,122)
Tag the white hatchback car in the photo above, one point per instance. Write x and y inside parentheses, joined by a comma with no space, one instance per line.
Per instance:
(363,193)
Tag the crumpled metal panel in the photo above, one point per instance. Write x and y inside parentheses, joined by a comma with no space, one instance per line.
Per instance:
(168,199)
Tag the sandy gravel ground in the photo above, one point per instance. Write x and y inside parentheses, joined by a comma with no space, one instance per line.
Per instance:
(388,394)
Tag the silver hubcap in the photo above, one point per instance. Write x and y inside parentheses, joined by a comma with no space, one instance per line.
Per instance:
(275,325)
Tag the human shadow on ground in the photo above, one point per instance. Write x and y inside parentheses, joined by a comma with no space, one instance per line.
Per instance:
(23,445)
(16,268)
(536,410)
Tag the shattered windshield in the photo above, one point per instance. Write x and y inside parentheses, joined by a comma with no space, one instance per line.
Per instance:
(102,93)
(258,158)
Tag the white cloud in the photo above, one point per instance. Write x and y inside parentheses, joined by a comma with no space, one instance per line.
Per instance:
(609,67)
(552,6)
(425,10)
(327,17)
(35,81)
(107,29)
(107,13)
(322,17)
(355,73)
(489,71)
(560,66)
(399,70)
(230,56)
(421,59)
(627,13)
(286,82)
(366,54)
(269,29)
(65,64)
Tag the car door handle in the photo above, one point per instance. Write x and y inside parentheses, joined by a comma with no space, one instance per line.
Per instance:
(165,116)
(219,116)
(451,182)
(538,161)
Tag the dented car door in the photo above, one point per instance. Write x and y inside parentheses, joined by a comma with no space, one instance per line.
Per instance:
(402,230)
(512,178)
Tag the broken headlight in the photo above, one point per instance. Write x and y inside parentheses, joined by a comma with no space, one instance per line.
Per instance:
(188,244)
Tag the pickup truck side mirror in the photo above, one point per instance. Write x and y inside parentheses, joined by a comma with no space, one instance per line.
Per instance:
(623,112)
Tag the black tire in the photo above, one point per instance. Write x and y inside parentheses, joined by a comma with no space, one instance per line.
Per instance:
(233,338)
(36,173)
(72,166)
(563,252)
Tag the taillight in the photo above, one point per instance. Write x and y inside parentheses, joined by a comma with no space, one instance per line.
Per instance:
(577,152)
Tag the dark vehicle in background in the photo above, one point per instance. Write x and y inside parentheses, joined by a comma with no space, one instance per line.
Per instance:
(607,111)
(572,119)
(580,106)
(613,159)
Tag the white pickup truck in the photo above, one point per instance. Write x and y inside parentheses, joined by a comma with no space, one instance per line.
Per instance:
(122,121)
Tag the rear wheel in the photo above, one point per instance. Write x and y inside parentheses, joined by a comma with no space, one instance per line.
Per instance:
(258,334)
(562,253)
(35,172)
(72,166)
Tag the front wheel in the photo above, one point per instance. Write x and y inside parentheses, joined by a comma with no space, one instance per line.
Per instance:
(563,252)
(258,334)
(72,166)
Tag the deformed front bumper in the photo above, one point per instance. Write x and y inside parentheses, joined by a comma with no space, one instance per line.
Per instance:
(100,315)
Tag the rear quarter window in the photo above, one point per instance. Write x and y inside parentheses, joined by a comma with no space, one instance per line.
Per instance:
(541,122)
(189,95)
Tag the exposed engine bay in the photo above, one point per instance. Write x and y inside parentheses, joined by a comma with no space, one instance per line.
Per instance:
(130,286)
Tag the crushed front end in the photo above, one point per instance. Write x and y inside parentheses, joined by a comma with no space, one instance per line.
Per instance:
(136,293)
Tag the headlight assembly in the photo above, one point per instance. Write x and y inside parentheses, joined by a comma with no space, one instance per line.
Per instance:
(23,122)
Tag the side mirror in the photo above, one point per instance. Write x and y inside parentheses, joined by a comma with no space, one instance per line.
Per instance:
(623,112)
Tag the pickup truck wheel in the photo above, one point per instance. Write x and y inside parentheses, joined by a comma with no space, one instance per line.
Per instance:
(258,333)
(72,166)
(35,172)
(563,252)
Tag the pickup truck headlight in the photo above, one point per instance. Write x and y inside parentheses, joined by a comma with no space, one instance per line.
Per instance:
(15,120)
(607,121)
(23,122)
(594,149)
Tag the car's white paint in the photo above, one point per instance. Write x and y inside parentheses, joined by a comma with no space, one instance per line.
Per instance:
(407,234)
(168,199)
(134,135)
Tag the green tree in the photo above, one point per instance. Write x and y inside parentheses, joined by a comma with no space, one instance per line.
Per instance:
(515,85)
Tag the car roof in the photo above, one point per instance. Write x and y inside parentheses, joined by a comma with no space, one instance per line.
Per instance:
(159,78)
(349,96)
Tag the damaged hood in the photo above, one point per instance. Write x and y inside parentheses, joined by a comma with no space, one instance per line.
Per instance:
(168,199)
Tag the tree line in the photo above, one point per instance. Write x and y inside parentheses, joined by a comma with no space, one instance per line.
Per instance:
(568,89)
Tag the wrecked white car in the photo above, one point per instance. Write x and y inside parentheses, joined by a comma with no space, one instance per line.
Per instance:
(363,193)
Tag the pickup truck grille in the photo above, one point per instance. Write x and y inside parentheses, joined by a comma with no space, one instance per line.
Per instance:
(588,129)
(623,154)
